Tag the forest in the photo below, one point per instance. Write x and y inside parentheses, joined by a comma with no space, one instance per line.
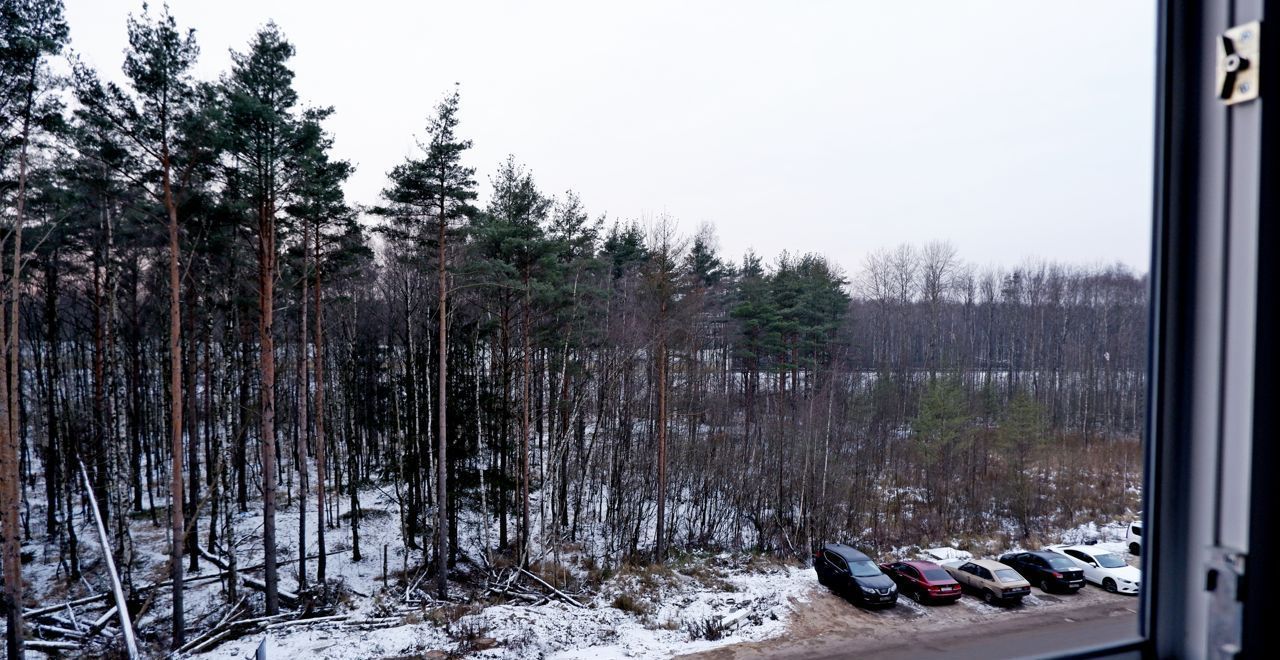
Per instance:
(199,325)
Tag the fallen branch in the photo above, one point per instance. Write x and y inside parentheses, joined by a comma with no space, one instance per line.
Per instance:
(288,597)
(102,621)
(55,608)
(217,628)
(301,622)
(43,644)
(554,590)
(130,644)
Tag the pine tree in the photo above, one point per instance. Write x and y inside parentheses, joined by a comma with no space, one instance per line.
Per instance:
(261,138)
(335,247)
(30,32)
(516,250)
(426,199)
(148,124)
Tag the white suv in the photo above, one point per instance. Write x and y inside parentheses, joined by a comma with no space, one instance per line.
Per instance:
(1133,537)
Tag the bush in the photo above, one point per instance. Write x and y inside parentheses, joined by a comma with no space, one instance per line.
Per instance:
(708,629)
(628,603)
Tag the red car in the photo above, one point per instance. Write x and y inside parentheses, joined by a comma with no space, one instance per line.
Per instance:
(923,581)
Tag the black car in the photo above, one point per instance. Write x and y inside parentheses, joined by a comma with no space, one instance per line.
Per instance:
(847,571)
(1049,571)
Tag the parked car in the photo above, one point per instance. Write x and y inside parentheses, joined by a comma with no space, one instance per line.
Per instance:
(991,580)
(923,581)
(846,570)
(1102,567)
(1133,536)
(1047,570)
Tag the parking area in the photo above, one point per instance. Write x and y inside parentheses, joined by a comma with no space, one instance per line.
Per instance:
(828,625)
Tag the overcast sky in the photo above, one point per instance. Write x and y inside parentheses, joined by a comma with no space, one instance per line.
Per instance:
(1014,129)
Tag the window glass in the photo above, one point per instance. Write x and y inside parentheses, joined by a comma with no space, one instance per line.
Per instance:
(1007,575)
(612,284)
(864,568)
(1062,564)
(1108,560)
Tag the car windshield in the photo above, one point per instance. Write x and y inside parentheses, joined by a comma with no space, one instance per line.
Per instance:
(864,568)
(1108,560)
(1061,563)
(1008,575)
(936,575)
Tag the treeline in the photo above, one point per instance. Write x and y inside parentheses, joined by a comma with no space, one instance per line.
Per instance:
(196,314)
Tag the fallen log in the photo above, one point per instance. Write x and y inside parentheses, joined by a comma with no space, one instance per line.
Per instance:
(217,628)
(289,598)
(130,644)
(54,608)
(301,622)
(212,641)
(554,590)
(101,622)
(57,630)
(225,572)
(733,619)
(51,645)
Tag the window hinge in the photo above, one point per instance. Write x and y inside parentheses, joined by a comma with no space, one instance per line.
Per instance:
(1224,581)
(1239,63)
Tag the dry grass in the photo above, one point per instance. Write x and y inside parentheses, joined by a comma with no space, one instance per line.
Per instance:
(633,604)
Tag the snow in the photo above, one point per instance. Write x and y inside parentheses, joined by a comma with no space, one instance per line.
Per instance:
(336,643)
(600,632)
(1088,533)
(559,630)
(946,553)
(649,612)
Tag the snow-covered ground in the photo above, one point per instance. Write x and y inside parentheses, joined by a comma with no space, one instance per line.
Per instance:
(668,612)
(696,603)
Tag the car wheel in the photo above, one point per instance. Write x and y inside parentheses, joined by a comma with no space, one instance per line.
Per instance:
(1135,549)
(988,597)
(1044,585)
(915,595)
(1109,585)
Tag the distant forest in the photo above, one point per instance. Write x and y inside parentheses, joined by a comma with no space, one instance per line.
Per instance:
(195,312)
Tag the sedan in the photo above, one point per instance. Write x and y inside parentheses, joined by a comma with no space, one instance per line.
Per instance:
(992,580)
(923,581)
(1047,570)
(1105,569)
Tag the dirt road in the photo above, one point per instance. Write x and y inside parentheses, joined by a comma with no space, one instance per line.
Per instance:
(828,626)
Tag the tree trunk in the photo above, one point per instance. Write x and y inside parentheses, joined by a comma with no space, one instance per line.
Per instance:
(659,554)
(442,539)
(175,406)
(318,367)
(267,364)
(10,472)
(524,427)
(304,396)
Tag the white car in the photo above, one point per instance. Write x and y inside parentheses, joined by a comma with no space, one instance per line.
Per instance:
(1102,567)
(1133,536)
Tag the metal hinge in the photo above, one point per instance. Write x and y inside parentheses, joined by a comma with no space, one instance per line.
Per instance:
(1225,583)
(1239,63)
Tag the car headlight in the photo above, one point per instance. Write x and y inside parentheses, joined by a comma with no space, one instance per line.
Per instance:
(868,590)
(893,588)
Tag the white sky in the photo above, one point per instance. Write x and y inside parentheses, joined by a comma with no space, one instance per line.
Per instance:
(1014,129)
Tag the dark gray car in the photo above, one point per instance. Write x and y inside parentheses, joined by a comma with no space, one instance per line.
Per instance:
(847,571)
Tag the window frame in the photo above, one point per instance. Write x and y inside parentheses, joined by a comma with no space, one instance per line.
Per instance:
(1208,446)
